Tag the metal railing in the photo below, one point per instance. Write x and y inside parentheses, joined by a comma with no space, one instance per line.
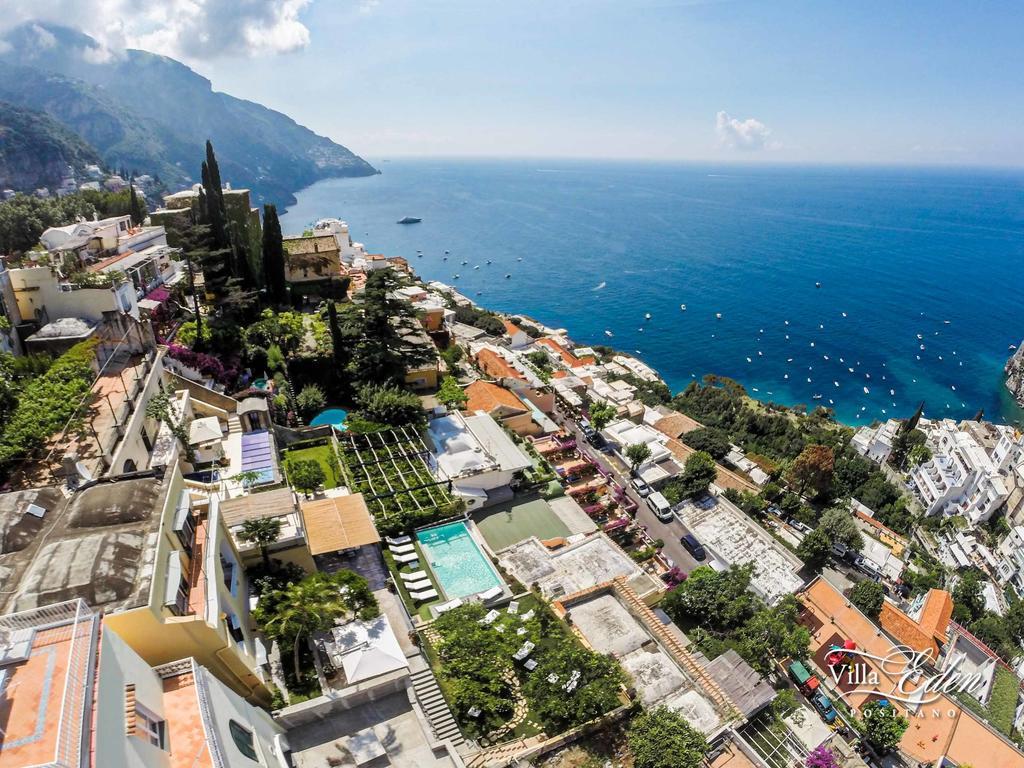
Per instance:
(74,622)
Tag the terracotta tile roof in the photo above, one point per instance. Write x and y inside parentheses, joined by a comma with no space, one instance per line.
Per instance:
(511,328)
(677,424)
(567,357)
(929,632)
(495,365)
(559,374)
(487,397)
(338,523)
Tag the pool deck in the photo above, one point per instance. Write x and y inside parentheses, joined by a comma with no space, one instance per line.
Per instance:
(506,524)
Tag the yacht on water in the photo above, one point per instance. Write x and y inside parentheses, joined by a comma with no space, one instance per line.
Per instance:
(411,220)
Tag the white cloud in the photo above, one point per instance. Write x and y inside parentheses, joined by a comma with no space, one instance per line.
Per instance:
(748,135)
(184,29)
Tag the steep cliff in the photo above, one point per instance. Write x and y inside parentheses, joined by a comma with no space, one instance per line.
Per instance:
(36,151)
(1015,375)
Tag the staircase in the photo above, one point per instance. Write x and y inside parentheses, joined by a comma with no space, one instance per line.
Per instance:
(234,424)
(432,702)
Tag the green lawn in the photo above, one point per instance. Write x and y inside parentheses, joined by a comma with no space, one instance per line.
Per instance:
(318,453)
(513,521)
(415,609)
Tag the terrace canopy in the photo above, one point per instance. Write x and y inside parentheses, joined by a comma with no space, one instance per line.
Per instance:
(338,523)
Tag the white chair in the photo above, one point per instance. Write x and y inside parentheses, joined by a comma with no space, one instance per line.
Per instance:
(412,586)
(397,541)
(402,549)
(412,557)
(414,576)
(427,594)
(490,617)
(513,607)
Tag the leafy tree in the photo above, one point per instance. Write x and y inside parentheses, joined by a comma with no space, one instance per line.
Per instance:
(711,440)
(596,691)
(312,605)
(881,725)
(305,475)
(812,470)
(601,414)
(841,528)
(869,597)
(389,340)
(968,601)
(721,601)
(159,409)
(451,394)
(637,454)
(773,633)
(24,218)
(189,332)
(918,455)
(273,257)
(387,404)
(904,443)
(815,549)
(698,473)
(661,738)
(261,531)
(310,401)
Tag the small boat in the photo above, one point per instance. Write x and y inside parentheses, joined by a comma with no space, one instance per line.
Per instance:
(419,255)
(718,315)
(785,375)
(945,322)
(447,251)
(867,391)
(444,258)
(489,261)
(755,389)
(464,262)
(808,379)
(609,334)
(825,357)
(892,393)
(786,322)
(821,327)
(844,314)
(952,387)
(817,285)
(789,359)
(477,267)
(815,396)
(787,337)
(841,360)
(508,277)
(760,353)
(867,375)
(836,383)
(640,329)
(410,220)
(520,258)
(749,360)
(455,277)
(922,346)
(647,316)
(812,343)
(682,307)
(919,337)
(1012,347)
(830,401)
(850,370)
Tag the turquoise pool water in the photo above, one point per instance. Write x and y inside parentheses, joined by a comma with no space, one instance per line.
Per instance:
(456,560)
(333,416)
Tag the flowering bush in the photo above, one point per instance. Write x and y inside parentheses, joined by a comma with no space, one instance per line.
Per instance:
(822,757)
(208,365)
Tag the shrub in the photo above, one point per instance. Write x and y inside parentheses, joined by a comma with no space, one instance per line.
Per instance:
(311,401)
(661,738)
(306,475)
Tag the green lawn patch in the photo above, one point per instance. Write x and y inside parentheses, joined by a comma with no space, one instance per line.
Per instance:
(320,454)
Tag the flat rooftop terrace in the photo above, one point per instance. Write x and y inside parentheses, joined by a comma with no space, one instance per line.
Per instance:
(513,521)
(568,570)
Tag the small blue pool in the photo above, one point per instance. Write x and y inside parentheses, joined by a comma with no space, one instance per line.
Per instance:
(333,416)
(456,560)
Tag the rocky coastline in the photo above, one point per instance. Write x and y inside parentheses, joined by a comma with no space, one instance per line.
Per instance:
(1015,375)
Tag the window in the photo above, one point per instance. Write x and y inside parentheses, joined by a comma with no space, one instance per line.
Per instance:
(149,727)
(242,737)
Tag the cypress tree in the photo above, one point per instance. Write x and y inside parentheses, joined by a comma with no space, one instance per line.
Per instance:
(135,207)
(273,256)
(332,322)
(911,423)
(980,415)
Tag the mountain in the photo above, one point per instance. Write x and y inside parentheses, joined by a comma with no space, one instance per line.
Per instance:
(36,151)
(152,114)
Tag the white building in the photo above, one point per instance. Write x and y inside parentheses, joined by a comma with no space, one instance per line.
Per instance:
(875,442)
(1010,559)
(90,239)
(477,455)
(962,478)
(348,251)
(659,466)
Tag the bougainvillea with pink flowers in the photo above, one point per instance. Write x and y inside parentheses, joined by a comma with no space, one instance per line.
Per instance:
(822,757)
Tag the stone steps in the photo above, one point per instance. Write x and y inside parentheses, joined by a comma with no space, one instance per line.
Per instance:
(434,706)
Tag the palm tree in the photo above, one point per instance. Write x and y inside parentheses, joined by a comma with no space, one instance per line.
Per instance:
(312,605)
(262,532)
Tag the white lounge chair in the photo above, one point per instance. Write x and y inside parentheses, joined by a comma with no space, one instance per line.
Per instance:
(398,540)
(528,615)
(513,607)
(411,586)
(406,559)
(490,594)
(414,576)
(490,617)
(402,549)
(531,664)
(427,594)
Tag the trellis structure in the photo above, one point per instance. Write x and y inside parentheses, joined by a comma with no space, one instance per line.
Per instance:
(392,470)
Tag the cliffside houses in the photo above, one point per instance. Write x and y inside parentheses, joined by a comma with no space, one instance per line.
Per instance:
(875,442)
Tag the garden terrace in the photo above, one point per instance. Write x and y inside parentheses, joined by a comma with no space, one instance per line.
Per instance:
(391,470)
(518,671)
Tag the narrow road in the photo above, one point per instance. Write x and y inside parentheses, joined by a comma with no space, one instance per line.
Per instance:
(670,533)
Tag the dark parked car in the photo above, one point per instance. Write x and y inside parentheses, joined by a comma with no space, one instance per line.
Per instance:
(694,547)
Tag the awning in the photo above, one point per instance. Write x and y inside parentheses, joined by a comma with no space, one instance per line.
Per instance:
(338,523)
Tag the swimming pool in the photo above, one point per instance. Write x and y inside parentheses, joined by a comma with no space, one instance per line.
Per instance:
(333,416)
(456,560)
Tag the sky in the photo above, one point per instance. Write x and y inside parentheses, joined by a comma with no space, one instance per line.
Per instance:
(772,81)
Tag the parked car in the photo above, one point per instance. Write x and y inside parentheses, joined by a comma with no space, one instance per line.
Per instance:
(660,507)
(589,433)
(641,487)
(694,547)
(803,678)
(868,568)
(823,704)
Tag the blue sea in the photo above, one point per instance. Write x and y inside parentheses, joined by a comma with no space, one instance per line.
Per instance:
(594,246)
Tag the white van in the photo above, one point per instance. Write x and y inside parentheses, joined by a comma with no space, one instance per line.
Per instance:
(660,507)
